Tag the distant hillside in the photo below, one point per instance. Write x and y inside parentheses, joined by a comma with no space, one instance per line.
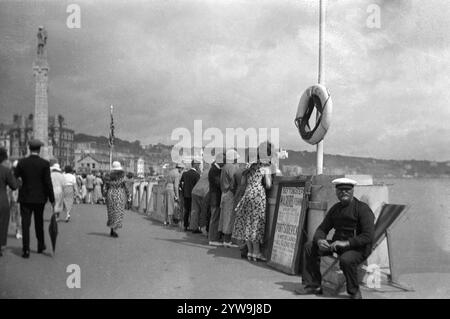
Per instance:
(339,164)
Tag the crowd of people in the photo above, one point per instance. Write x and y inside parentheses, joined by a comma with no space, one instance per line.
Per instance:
(26,185)
(226,202)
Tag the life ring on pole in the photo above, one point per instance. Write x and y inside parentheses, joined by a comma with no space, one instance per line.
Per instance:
(315,97)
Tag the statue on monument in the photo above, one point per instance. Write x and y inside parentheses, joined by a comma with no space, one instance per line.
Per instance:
(42,41)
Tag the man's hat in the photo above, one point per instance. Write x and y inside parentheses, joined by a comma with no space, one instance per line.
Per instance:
(344,182)
(35,144)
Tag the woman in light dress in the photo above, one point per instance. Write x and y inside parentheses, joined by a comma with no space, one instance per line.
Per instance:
(83,188)
(70,190)
(98,196)
(58,182)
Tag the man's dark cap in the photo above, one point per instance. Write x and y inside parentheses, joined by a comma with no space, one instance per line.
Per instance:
(35,144)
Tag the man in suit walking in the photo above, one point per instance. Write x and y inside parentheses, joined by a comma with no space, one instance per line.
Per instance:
(36,189)
(187,183)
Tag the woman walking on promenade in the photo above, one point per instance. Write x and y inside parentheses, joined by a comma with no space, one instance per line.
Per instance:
(98,196)
(6,179)
(58,182)
(116,198)
(250,219)
(70,190)
(83,188)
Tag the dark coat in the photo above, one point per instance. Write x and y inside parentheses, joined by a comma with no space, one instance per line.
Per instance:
(188,181)
(214,185)
(36,185)
(354,223)
(6,179)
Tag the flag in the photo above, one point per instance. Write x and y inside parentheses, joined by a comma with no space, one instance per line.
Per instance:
(111,130)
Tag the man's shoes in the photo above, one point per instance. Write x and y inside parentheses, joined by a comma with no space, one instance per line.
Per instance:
(41,250)
(215,243)
(356,295)
(309,291)
(114,234)
(26,254)
(68,219)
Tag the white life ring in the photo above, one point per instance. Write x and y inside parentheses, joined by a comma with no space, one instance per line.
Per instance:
(315,97)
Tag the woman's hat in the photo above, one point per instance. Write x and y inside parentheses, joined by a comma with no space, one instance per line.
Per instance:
(55,167)
(116,166)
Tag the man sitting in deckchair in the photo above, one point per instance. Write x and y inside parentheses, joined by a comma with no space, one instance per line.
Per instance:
(353,222)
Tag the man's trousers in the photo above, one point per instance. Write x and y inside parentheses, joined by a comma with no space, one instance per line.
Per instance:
(26,210)
(349,260)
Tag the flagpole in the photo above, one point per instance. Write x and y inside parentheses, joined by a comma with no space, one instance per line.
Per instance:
(111,144)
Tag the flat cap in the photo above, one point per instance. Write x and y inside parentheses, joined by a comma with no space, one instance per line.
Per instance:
(344,182)
(35,143)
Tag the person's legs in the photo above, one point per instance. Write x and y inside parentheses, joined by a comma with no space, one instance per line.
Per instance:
(213,231)
(257,251)
(39,225)
(311,276)
(16,219)
(250,250)
(25,212)
(349,262)
(195,213)
(187,212)
(168,203)
(208,211)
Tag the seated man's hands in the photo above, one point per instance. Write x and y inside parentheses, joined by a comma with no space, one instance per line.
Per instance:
(323,245)
(339,243)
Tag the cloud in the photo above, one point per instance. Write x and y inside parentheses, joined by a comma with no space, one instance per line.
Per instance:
(164,64)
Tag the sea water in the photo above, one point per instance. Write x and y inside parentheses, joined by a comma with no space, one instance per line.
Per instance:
(421,238)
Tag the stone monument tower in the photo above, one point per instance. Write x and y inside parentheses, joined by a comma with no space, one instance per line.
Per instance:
(40,71)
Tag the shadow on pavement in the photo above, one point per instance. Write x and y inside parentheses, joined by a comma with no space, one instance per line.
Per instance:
(98,234)
(192,239)
(16,251)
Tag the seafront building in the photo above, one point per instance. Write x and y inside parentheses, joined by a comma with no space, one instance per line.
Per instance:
(14,137)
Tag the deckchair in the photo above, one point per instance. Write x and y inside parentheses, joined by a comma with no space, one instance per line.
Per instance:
(389,215)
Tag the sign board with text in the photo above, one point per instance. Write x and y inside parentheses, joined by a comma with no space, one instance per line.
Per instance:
(288,233)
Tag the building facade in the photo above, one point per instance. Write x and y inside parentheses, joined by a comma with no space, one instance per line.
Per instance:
(60,138)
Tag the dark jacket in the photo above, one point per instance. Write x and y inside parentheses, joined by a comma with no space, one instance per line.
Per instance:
(36,185)
(188,181)
(354,223)
(214,185)
(6,179)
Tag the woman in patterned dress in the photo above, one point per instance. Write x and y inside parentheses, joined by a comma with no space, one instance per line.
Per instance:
(116,198)
(250,219)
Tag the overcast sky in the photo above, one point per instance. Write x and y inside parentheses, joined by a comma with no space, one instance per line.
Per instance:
(164,64)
